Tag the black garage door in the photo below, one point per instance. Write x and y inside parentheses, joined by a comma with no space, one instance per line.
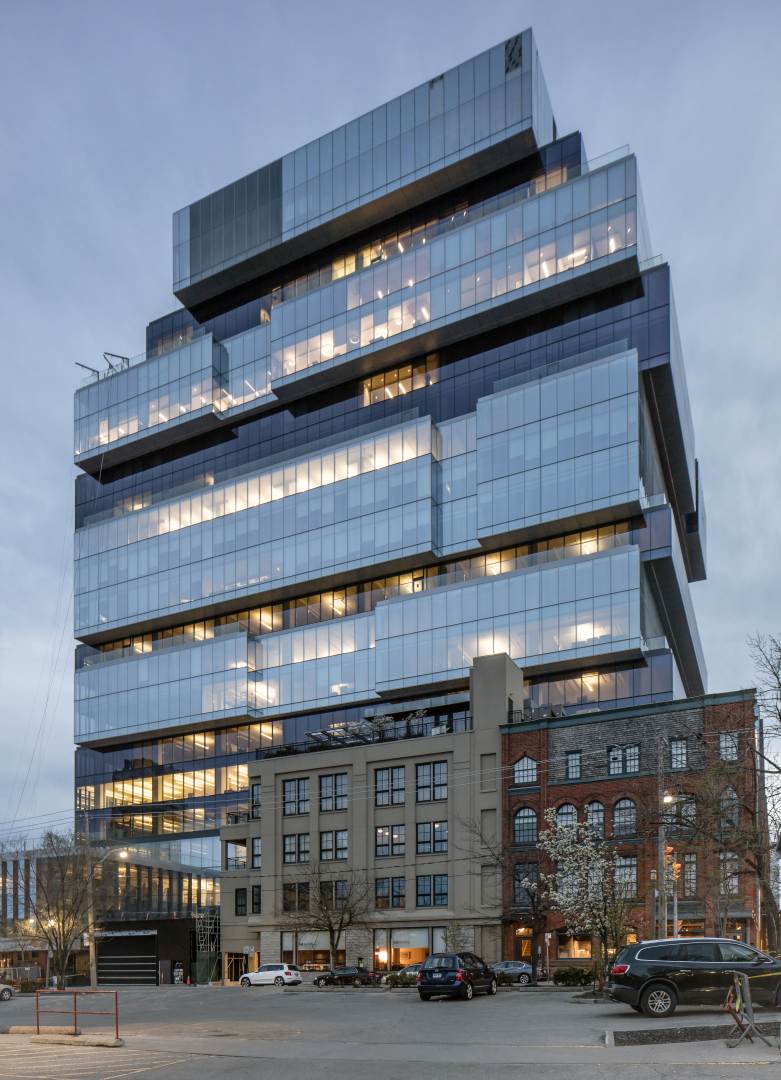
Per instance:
(129,959)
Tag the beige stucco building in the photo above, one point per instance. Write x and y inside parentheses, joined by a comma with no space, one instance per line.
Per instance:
(396,808)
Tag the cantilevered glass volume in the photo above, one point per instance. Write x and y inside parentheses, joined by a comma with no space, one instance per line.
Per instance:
(421,402)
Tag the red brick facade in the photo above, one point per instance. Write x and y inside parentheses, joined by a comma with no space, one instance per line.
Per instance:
(654,741)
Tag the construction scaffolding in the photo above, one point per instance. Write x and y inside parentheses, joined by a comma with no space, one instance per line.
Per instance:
(207,944)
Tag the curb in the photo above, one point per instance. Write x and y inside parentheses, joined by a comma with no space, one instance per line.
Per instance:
(31,1029)
(77,1040)
(695,1033)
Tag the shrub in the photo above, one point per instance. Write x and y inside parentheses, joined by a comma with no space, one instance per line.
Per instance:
(573,976)
(395,979)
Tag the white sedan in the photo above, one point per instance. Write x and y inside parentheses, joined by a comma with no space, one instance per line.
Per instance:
(6,992)
(272,975)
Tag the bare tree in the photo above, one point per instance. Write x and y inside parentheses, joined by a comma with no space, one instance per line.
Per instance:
(61,892)
(327,904)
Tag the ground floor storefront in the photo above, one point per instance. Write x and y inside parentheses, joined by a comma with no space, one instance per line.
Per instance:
(380,948)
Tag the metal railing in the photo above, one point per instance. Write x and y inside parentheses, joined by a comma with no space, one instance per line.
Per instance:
(74,1010)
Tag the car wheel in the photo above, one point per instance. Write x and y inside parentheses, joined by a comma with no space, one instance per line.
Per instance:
(492,987)
(244,981)
(5,994)
(524,979)
(356,982)
(469,992)
(279,981)
(424,997)
(318,982)
(658,1000)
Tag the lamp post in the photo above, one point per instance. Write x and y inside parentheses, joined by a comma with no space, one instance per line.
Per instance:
(667,800)
(122,853)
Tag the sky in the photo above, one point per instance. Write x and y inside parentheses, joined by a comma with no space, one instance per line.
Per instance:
(113,115)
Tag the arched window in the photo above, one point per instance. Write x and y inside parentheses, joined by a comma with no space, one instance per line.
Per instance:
(595,818)
(624,818)
(566,816)
(525,826)
(730,808)
(525,771)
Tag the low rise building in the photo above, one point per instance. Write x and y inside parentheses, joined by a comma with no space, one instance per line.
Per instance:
(675,786)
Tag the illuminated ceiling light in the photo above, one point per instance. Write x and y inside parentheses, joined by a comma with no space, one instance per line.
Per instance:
(424,313)
(410,282)
(251,387)
(400,246)
(545,269)
(162,417)
(379,294)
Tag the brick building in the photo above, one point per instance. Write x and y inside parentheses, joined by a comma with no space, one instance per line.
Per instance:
(678,776)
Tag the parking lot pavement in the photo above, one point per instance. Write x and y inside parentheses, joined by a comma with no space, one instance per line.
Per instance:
(194,1032)
(23,1060)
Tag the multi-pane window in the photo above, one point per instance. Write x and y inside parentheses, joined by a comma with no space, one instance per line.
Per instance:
(240,902)
(525,877)
(595,818)
(341,844)
(295,848)
(624,818)
(255,791)
(431,781)
(566,816)
(728,746)
(295,796)
(729,805)
(690,874)
(295,896)
(525,826)
(389,840)
(623,759)
(431,889)
(257,853)
(678,754)
(729,870)
(326,846)
(333,792)
(256,899)
(389,786)
(390,892)
(333,892)
(573,765)
(431,837)
(525,771)
(626,875)
(632,759)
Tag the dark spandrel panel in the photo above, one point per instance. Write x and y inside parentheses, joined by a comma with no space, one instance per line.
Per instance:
(245,214)
(463,377)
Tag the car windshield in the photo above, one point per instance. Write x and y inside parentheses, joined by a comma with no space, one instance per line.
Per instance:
(621,956)
(441,962)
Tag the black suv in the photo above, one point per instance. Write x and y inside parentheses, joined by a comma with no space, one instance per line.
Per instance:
(654,977)
(348,976)
(455,975)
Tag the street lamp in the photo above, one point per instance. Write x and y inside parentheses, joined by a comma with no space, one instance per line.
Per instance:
(668,801)
(121,853)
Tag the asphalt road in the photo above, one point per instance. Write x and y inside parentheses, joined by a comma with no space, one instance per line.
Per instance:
(194,1033)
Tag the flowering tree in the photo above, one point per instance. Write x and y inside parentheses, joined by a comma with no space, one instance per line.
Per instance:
(588,884)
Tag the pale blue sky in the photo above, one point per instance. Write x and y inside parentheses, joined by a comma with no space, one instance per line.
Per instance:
(114,115)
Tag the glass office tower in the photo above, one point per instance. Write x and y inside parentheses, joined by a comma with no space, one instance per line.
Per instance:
(422,401)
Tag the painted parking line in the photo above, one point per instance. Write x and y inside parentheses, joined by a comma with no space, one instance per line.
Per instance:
(73,1063)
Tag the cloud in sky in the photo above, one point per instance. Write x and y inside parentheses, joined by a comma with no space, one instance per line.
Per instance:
(116,115)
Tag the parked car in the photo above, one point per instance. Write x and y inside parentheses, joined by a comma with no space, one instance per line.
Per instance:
(272,975)
(455,975)
(518,970)
(348,976)
(654,977)
(6,992)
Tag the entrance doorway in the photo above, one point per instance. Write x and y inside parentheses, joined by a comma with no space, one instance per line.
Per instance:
(235,966)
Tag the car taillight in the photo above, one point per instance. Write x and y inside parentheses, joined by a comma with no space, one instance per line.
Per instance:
(418,976)
(288,973)
(459,974)
(619,969)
